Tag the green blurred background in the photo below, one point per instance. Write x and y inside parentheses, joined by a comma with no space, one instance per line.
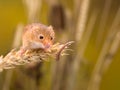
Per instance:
(13,12)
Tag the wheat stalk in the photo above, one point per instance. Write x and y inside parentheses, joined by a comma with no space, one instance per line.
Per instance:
(13,59)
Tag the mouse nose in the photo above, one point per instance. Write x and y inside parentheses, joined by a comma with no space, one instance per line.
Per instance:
(47,45)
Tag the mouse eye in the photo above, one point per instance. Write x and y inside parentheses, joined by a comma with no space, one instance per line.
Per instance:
(51,38)
(41,37)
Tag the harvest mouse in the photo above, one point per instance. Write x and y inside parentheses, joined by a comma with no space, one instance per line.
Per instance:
(37,36)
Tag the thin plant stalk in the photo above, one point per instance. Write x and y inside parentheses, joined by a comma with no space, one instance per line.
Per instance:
(82,19)
(32,8)
(103,20)
(114,48)
(52,2)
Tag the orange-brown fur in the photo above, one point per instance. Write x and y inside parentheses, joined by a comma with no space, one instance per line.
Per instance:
(31,35)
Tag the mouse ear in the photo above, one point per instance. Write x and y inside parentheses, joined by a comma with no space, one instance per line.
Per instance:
(50,27)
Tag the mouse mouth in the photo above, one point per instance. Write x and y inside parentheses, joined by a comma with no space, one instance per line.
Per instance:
(37,45)
(47,46)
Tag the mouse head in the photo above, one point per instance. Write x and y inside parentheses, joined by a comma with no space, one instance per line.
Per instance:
(44,35)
